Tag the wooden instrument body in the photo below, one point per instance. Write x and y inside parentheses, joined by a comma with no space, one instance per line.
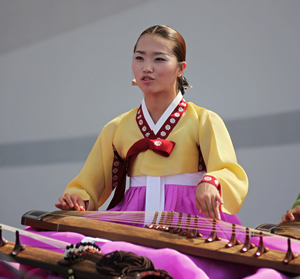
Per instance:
(48,260)
(36,257)
(290,229)
(64,221)
(287,229)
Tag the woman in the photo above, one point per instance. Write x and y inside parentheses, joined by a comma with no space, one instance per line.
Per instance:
(174,151)
(179,156)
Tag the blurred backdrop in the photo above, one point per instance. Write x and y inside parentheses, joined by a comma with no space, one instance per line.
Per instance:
(65,71)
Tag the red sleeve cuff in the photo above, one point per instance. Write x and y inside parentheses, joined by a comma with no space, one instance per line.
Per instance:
(212,180)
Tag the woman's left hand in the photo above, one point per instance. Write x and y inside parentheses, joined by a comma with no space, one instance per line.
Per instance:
(208,200)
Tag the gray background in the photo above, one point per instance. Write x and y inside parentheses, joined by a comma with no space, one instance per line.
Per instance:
(65,71)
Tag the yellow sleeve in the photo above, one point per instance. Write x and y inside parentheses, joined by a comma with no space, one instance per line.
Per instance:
(94,182)
(220,159)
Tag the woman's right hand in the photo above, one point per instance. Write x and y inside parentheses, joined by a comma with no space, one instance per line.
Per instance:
(208,200)
(71,202)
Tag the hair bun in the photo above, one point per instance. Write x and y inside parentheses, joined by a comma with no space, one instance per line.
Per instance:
(184,85)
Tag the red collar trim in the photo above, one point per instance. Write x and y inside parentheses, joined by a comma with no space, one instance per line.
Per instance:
(166,128)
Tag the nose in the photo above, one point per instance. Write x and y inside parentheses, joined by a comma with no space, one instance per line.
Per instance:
(147,67)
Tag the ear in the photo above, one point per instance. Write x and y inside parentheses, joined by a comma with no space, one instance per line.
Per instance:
(181,68)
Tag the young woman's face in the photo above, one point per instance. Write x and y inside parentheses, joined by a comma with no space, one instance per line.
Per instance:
(154,65)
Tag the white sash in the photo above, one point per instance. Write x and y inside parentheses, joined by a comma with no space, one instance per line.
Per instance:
(155,186)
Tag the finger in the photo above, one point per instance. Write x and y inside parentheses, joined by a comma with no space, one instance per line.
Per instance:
(290,215)
(81,208)
(283,218)
(82,205)
(205,208)
(75,202)
(68,200)
(200,210)
(76,206)
(58,205)
(62,204)
(78,203)
(217,211)
(62,201)
(198,206)
(219,202)
(214,212)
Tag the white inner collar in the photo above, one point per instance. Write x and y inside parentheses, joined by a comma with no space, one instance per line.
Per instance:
(156,127)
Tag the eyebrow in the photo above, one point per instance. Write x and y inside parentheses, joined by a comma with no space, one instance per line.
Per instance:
(155,52)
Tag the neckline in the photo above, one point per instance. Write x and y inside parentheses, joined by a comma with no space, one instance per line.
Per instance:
(155,127)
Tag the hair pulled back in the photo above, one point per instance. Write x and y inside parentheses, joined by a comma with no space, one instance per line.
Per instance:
(179,48)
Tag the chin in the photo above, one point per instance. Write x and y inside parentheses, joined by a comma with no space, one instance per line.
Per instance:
(151,92)
(147,89)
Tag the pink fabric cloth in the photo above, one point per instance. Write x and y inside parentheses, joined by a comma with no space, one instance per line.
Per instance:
(177,264)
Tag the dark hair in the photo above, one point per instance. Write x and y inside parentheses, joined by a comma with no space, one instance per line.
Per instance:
(179,48)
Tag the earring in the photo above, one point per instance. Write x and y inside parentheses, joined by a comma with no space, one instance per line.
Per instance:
(134,82)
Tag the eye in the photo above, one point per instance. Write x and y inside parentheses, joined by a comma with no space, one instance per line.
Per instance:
(138,58)
(160,59)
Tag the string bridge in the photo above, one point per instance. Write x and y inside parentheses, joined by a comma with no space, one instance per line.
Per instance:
(233,240)
(18,246)
(2,240)
(166,224)
(289,254)
(213,236)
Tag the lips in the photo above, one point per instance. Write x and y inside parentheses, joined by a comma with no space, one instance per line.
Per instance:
(147,78)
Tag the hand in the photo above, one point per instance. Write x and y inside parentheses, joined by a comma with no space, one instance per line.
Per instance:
(289,216)
(71,202)
(208,200)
